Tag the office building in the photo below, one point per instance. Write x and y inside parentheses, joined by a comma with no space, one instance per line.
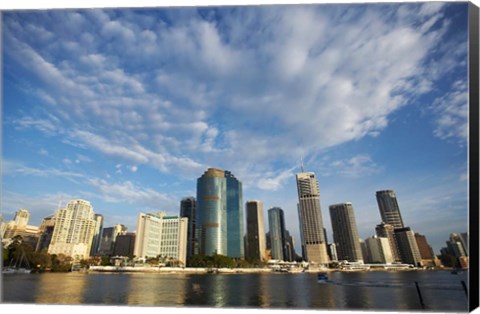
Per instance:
(276,223)
(187,210)
(384,230)
(219,214)
(256,245)
(46,233)
(378,251)
(107,242)
(345,233)
(407,246)
(235,230)
(314,246)
(97,235)
(21,217)
(389,209)
(124,244)
(290,254)
(74,230)
(159,234)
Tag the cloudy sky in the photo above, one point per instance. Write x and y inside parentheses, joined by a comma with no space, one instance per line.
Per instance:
(126,108)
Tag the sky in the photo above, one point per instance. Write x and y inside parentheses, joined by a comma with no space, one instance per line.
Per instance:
(126,108)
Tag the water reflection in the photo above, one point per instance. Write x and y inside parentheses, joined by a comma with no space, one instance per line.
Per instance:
(61,289)
(156,289)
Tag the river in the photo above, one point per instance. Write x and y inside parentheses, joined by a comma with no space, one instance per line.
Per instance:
(385,291)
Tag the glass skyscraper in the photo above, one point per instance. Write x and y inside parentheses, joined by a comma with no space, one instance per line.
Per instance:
(219,214)
(276,224)
(187,209)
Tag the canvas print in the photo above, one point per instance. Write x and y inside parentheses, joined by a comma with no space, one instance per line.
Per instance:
(303,156)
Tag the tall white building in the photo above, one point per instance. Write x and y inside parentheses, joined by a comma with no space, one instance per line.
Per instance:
(159,234)
(314,246)
(21,217)
(74,230)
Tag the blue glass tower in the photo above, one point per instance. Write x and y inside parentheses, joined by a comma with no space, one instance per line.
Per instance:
(219,214)
(276,224)
(235,247)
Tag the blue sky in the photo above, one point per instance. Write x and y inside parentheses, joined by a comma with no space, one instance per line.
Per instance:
(126,108)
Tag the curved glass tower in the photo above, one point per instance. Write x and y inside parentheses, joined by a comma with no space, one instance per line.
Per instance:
(219,214)
(212,213)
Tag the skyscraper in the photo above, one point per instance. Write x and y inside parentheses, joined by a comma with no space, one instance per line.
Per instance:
(74,230)
(378,250)
(97,234)
(46,229)
(314,246)
(276,223)
(407,246)
(187,209)
(219,214)
(255,239)
(345,233)
(235,231)
(109,236)
(389,210)
(159,234)
(387,231)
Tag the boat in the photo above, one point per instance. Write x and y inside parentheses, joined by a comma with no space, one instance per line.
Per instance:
(322,277)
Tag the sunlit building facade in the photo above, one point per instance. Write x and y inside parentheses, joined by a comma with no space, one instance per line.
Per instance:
(314,245)
(159,234)
(74,230)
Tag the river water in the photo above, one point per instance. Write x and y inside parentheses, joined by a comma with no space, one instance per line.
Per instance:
(386,291)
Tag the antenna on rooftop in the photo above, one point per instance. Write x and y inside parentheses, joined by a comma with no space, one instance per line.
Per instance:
(301,164)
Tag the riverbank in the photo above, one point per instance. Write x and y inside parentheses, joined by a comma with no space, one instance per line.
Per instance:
(199,270)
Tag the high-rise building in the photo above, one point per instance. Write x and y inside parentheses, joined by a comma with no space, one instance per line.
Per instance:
(276,223)
(407,246)
(290,254)
(255,238)
(74,230)
(97,236)
(389,209)
(314,246)
(124,244)
(235,230)
(21,217)
(384,230)
(187,209)
(107,242)
(219,214)
(345,233)
(159,234)
(379,251)
(46,232)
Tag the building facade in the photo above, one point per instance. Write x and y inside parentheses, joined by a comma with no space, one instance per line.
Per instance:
(124,244)
(276,223)
(97,236)
(384,230)
(219,214)
(407,246)
(46,233)
(389,209)
(187,210)
(159,234)
(74,230)
(109,236)
(314,245)
(379,251)
(345,233)
(256,245)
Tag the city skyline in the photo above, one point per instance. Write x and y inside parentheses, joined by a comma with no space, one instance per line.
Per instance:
(128,112)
